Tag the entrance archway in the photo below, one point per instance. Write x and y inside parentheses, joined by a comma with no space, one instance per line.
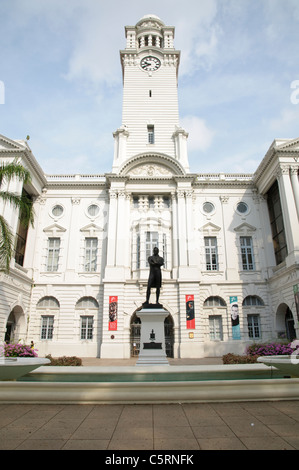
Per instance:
(135,329)
(285,325)
(15,325)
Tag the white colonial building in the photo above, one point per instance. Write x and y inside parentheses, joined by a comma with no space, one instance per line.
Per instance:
(229,241)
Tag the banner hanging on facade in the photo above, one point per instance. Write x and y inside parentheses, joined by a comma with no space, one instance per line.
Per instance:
(113,304)
(190,314)
(234,311)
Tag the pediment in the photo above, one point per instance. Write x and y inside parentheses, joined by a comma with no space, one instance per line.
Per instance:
(91,228)
(8,144)
(210,228)
(245,228)
(54,228)
(151,166)
(288,145)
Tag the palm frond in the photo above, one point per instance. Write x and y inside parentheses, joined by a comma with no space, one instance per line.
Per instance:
(14,170)
(22,203)
(6,245)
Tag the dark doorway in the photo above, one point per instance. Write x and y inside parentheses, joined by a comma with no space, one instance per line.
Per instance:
(10,327)
(290,325)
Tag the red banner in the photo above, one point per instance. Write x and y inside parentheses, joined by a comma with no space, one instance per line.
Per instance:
(113,304)
(190,314)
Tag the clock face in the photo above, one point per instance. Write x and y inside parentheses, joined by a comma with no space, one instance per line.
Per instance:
(150,63)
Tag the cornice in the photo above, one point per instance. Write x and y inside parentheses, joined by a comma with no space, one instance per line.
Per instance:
(275,151)
(196,179)
(228,180)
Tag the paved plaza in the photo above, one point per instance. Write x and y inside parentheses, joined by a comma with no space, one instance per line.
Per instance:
(218,426)
(270,425)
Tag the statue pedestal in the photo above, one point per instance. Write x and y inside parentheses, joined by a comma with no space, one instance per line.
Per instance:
(152,338)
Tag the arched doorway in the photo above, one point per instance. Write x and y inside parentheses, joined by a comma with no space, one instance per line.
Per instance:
(135,335)
(15,325)
(285,325)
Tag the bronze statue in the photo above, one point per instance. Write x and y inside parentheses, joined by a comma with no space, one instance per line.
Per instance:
(155,277)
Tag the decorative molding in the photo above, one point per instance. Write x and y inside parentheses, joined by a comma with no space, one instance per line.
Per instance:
(54,228)
(76,201)
(154,162)
(151,170)
(209,228)
(91,229)
(245,228)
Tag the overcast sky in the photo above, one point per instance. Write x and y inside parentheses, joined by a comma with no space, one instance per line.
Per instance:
(61,82)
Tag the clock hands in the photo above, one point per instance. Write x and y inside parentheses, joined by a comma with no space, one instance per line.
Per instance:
(150,63)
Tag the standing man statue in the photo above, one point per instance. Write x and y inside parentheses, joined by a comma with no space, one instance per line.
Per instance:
(155,277)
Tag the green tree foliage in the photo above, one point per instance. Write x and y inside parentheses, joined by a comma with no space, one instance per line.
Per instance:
(8,172)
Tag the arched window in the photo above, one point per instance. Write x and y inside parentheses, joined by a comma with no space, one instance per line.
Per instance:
(214,302)
(48,307)
(87,307)
(87,302)
(48,302)
(253,300)
(215,321)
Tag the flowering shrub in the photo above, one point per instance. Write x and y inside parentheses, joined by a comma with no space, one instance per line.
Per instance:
(269,349)
(18,350)
(255,350)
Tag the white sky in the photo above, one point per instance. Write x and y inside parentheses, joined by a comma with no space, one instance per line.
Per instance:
(61,81)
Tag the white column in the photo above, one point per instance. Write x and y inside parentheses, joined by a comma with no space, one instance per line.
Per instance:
(121,233)
(288,207)
(189,229)
(111,235)
(127,258)
(174,207)
(224,200)
(295,186)
(182,228)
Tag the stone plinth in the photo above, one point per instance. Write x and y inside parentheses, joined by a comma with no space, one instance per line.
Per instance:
(152,338)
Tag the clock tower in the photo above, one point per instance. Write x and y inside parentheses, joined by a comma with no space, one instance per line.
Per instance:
(150,117)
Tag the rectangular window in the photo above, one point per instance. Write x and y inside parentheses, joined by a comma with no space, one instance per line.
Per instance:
(47,327)
(91,251)
(254,331)
(215,325)
(211,253)
(151,134)
(152,240)
(22,231)
(86,327)
(53,254)
(277,225)
(247,253)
